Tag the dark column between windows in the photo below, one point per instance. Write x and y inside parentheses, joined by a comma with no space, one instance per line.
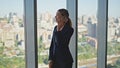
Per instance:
(30,33)
(102,33)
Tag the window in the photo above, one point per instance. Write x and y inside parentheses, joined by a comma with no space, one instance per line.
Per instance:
(12,47)
(87,41)
(113,40)
(45,26)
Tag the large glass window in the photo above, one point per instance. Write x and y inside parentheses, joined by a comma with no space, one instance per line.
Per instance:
(45,25)
(113,40)
(87,42)
(12,47)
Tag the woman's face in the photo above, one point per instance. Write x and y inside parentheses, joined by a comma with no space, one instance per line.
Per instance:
(59,18)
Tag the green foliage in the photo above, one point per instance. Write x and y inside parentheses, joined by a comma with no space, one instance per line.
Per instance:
(41,45)
(113,48)
(86,56)
(83,39)
(110,50)
(14,62)
(43,59)
(10,62)
(86,52)
(1,50)
(81,49)
(115,65)
(118,62)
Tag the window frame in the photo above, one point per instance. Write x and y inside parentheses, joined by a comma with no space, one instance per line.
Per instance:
(31,32)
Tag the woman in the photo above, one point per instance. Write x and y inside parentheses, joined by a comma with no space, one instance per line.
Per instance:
(60,56)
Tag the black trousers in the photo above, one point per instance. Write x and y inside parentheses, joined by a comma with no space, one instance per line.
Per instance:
(62,65)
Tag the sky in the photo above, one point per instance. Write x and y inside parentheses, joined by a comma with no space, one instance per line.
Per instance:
(88,7)
(114,8)
(7,6)
(50,5)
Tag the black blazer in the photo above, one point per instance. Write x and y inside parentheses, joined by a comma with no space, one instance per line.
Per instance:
(59,49)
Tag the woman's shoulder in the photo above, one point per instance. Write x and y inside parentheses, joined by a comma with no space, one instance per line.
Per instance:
(55,28)
(70,27)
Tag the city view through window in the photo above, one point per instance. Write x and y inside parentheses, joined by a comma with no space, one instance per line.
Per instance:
(87,41)
(12,37)
(12,47)
(113,40)
(45,25)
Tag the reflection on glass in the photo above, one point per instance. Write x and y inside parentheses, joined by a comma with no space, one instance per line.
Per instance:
(113,42)
(87,42)
(45,25)
(12,48)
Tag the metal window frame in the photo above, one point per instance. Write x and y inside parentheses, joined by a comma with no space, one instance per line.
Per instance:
(102,33)
(30,18)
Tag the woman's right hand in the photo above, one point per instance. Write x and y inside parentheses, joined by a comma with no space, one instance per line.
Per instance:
(50,64)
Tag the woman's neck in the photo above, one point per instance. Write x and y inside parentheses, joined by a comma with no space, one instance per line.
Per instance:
(60,26)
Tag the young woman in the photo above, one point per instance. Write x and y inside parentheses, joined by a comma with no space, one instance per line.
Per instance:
(59,53)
